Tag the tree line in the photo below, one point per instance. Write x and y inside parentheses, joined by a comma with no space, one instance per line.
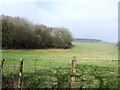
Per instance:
(118,44)
(87,40)
(19,33)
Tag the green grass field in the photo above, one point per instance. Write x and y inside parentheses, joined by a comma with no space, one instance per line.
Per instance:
(83,51)
(49,68)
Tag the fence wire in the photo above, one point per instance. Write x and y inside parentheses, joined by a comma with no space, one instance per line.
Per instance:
(52,73)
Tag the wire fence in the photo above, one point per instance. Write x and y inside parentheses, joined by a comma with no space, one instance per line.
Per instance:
(37,73)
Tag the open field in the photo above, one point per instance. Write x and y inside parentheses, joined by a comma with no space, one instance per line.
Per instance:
(52,66)
(83,51)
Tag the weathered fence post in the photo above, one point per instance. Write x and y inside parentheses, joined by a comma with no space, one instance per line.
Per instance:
(20,74)
(1,70)
(72,74)
(2,64)
(35,66)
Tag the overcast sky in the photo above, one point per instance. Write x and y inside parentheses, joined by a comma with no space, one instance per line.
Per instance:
(94,19)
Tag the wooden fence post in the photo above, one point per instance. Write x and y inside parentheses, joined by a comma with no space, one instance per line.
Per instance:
(73,72)
(1,71)
(35,66)
(20,73)
(2,64)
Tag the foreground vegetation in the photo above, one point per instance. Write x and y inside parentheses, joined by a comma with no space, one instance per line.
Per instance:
(50,68)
